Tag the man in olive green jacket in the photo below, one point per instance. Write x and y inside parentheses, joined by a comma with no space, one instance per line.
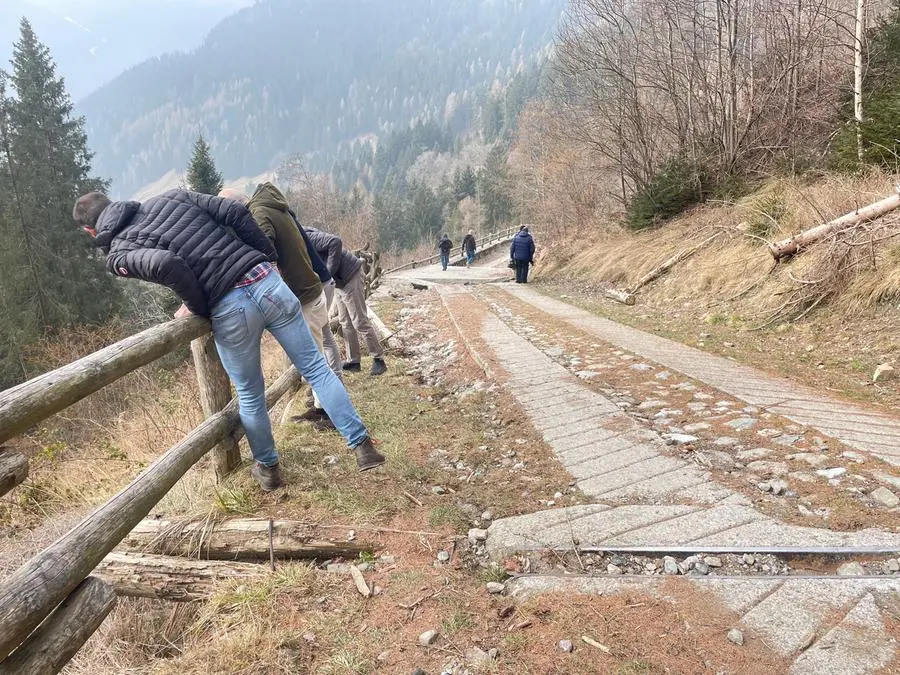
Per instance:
(271,212)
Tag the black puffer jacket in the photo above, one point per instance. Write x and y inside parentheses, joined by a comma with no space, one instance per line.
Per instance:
(197,245)
(341,263)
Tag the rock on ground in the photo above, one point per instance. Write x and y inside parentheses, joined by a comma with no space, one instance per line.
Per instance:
(428,638)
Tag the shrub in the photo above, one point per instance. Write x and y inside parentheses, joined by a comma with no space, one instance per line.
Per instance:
(678,184)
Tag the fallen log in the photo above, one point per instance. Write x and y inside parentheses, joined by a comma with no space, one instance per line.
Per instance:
(143,575)
(238,539)
(657,272)
(63,633)
(788,247)
(13,470)
(619,296)
(626,295)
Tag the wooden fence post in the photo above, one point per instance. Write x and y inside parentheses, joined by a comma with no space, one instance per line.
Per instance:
(13,470)
(215,394)
(50,647)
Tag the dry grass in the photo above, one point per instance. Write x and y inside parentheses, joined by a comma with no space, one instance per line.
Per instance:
(738,263)
(680,632)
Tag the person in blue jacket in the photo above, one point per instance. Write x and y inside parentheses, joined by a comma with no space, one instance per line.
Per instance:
(521,252)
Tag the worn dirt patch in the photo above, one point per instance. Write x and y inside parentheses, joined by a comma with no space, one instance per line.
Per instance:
(683,633)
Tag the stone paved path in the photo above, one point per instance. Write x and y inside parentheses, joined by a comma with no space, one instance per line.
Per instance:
(649,497)
(492,269)
(853,425)
(616,460)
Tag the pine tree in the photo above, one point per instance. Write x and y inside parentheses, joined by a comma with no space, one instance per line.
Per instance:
(495,189)
(202,175)
(52,275)
(464,184)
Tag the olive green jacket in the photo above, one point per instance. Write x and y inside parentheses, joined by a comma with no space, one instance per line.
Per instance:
(271,212)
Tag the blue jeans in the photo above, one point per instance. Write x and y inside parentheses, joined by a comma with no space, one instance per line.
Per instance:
(445,260)
(238,322)
(470,257)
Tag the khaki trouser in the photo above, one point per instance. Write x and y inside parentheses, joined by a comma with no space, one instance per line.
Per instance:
(331,350)
(355,319)
(316,315)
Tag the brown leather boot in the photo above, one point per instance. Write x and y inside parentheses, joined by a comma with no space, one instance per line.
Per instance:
(268,477)
(367,457)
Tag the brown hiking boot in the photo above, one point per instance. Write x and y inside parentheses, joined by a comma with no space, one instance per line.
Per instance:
(311,415)
(367,457)
(268,477)
(317,417)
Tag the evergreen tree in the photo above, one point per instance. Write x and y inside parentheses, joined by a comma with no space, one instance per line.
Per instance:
(202,175)
(52,275)
(495,189)
(881,96)
(492,118)
(465,184)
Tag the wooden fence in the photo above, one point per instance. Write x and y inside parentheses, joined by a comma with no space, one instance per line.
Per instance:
(50,606)
(490,240)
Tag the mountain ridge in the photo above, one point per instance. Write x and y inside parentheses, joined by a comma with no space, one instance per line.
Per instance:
(281,78)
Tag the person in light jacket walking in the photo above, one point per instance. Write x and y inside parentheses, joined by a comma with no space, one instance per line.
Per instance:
(521,252)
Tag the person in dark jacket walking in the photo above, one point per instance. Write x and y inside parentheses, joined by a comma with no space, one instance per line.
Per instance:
(522,253)
(346,269)
(445,245)
(468,247)
(211,253)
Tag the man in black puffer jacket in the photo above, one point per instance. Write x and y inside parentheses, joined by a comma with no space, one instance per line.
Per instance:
(346,269)
(211,253)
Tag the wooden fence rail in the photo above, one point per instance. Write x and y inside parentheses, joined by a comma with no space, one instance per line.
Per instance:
(34,401)
(31,593)
(50,606)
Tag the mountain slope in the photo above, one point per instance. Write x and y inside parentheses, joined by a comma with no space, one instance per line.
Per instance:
(289,76)
(92,41)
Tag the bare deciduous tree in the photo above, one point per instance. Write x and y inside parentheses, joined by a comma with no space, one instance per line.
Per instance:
(729,84)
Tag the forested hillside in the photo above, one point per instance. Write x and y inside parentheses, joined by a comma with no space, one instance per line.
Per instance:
(286,76)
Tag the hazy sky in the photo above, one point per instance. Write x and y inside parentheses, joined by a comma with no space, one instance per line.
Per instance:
(92,41)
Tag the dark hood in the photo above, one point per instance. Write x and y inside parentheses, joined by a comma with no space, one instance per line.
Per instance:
(115,218)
